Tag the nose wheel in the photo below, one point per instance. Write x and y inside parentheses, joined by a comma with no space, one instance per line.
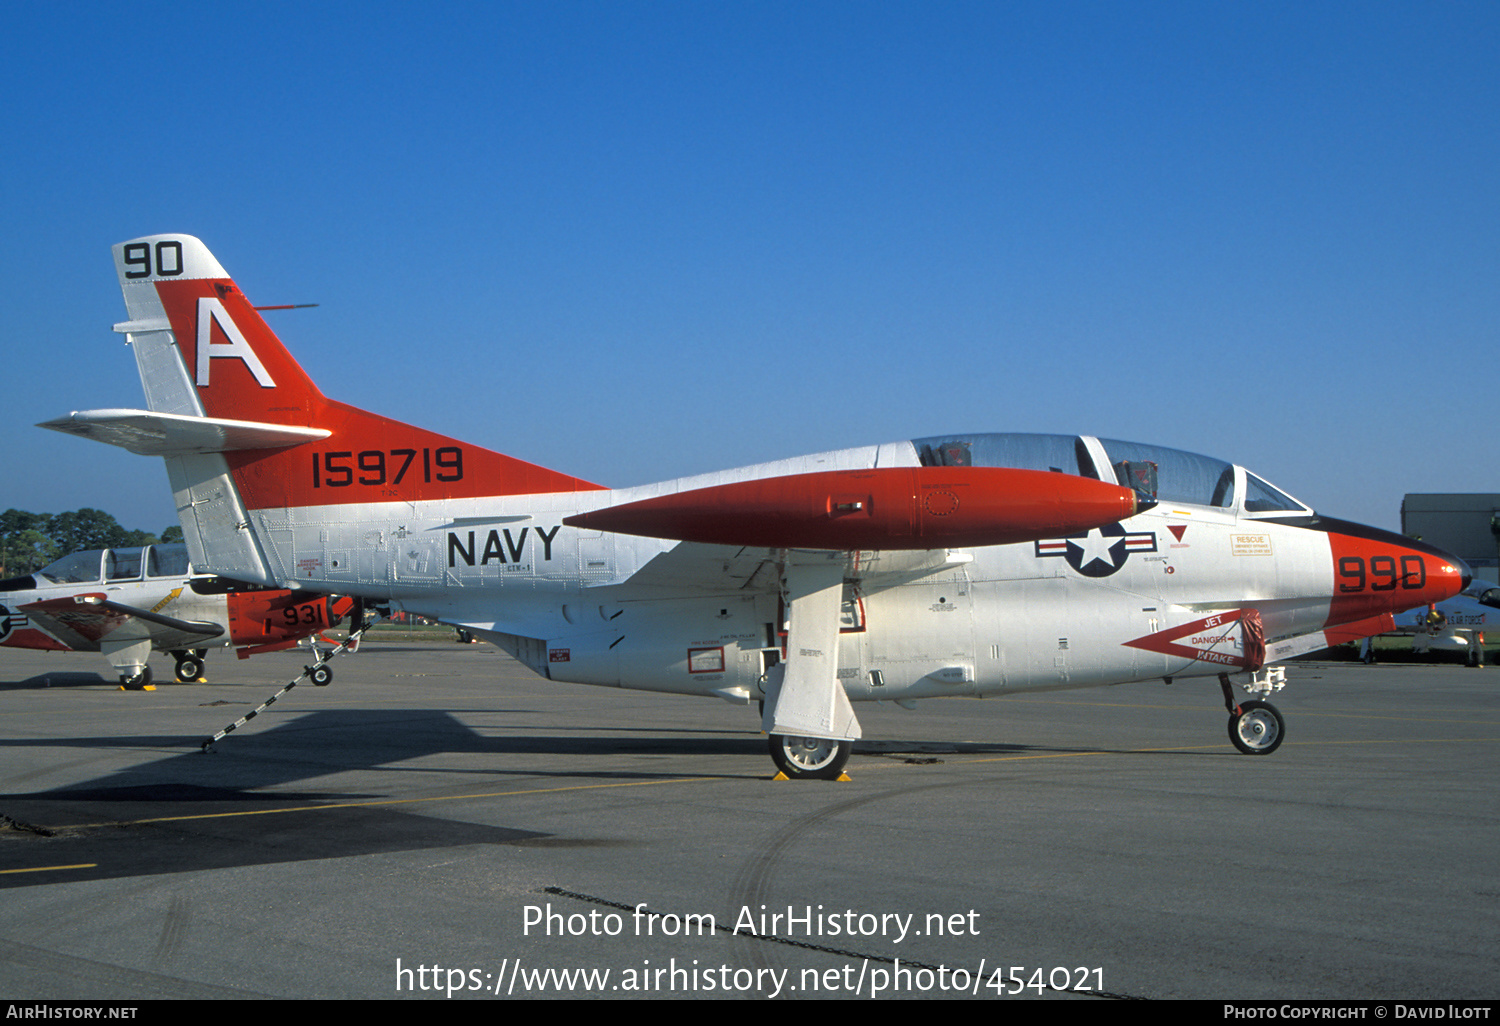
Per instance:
(140,681)
(1256,728)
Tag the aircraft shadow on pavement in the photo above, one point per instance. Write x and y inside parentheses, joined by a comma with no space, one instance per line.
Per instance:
(189,811)
(57,679)
(245,763)
(104,850)
(260,765)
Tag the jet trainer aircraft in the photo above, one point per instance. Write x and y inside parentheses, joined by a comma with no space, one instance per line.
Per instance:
(126,603)
(966,564)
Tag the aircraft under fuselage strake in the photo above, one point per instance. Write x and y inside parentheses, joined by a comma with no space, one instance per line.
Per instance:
(964,564)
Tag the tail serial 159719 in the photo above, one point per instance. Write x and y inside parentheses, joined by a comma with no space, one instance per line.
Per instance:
(957,565)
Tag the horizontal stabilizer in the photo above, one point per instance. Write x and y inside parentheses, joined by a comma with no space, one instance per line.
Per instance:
(173,434)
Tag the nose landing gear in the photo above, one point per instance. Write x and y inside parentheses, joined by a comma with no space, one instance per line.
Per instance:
(1256,727)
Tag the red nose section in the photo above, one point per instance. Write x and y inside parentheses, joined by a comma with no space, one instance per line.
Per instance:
(890,508)
(1375,573)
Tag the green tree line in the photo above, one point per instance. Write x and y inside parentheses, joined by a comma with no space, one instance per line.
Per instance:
(29,541)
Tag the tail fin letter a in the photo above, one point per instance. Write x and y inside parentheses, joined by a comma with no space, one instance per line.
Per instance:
(211,312)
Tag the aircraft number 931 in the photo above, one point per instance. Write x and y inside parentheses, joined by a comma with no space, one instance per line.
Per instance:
(307,613)
(385,466)
(1383,575)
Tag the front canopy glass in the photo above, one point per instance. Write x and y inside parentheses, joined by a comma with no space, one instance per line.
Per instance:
(1180,477)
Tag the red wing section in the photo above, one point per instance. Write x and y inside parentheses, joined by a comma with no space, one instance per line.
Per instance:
(17,632)
(79,622)
(83,621)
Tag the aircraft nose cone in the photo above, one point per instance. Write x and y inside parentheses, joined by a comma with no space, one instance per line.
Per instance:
(1456,574)
(1377,571)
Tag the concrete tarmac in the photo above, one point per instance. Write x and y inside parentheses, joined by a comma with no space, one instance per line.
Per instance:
(440,821)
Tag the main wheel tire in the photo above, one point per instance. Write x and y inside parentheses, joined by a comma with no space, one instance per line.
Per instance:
(809,758)
(1256,728)
(189,669)
(321,676)
(140,682)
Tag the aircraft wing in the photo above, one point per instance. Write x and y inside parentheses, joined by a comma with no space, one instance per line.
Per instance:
(82,621)
(695,566)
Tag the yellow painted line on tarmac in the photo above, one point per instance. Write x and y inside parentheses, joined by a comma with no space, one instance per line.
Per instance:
(48,869)
(1467,721)
(1076,755)
(1218,708)
(1208,748)
(391,801)
(1401,741)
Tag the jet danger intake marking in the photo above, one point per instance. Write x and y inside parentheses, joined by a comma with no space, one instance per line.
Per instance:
(1100,552)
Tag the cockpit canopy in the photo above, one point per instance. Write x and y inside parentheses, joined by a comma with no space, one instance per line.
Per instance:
(1166,475)
(117,565)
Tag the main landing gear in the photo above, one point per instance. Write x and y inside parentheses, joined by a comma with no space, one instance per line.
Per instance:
(809,758)
(189,668)
(806,712)
(1256,727)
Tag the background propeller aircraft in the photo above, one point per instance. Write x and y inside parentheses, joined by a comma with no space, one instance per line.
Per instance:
(129,602)
(961,565)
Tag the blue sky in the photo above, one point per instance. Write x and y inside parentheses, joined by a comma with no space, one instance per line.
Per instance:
(634,241)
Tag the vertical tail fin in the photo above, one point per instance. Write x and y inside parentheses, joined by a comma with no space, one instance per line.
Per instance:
(228,362)
(230,365)
(243,428)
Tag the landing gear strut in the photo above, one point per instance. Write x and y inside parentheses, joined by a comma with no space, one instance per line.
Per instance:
(1256,727)
(809,758)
